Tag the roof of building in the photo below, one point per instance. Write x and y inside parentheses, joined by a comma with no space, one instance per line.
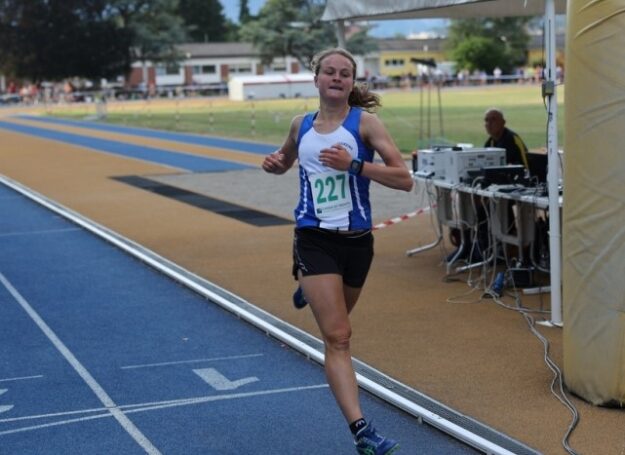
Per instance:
(218,50)
(274,78)
(429,44)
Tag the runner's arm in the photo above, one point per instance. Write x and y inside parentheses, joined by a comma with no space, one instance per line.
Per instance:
(394,173)
(282,159)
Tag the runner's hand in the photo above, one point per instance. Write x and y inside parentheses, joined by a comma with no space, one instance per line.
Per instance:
(335,157)
(274,163)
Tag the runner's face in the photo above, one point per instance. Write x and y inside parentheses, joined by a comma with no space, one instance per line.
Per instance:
(336,77)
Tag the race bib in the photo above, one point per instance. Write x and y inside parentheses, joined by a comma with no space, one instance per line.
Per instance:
(331,195)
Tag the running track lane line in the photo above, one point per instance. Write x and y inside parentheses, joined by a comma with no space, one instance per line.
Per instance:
(177,160)
(108,403)
(186,138)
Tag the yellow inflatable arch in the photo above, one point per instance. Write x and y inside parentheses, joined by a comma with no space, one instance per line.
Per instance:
(593,243)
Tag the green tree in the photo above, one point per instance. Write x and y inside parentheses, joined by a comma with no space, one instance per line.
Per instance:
(360,43)
(244,12)
(478,53)
(156,28)
(289,27)
(58,39)
(293,27)
(505,39)
(204,20)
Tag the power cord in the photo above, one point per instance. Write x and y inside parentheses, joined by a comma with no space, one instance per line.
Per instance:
(560,394)
(557,373)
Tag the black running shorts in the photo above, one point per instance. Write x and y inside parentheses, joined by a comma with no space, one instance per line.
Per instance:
(319,251)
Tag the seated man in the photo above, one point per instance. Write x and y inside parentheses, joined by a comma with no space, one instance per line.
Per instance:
(516,153)
(502,137)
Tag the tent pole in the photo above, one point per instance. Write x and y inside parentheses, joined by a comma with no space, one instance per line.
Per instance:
(421,138)
(553,166)
(440,108)
(430,108)
(340,33)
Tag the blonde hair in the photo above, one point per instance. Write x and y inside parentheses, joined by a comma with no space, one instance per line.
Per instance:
(360,95)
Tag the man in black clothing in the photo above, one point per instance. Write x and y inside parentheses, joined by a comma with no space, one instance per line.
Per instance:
(516,153)
(502,137)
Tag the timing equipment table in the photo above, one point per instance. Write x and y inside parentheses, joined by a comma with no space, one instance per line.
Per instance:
(511,213)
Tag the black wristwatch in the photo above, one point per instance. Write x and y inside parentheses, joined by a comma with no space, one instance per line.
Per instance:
(355,167)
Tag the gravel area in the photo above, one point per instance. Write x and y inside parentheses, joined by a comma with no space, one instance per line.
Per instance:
(278,194)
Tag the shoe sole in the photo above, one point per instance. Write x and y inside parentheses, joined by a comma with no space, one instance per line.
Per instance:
(391,451)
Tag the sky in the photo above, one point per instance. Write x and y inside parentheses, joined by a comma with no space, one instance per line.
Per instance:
(382,29)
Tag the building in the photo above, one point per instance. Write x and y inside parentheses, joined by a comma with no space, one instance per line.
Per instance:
(209,64)
(214,64)
(396,55)
(269,86)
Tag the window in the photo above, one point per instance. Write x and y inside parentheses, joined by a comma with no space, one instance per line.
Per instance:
(278,67)
(169,69)
(394,62)
(204,69)
(240,68)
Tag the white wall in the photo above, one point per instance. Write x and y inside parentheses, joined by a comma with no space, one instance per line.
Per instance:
(271,86)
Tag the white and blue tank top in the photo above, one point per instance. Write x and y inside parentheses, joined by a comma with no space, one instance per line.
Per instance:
(331,199)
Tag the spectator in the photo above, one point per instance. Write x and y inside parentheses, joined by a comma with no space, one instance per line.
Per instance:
(497,75)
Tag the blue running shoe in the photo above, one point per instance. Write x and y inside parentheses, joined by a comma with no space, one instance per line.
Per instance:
(299,301)
(369,442)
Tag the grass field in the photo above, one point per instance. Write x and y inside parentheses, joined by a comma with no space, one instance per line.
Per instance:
(413,117)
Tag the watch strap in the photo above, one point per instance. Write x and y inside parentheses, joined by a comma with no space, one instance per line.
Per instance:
(355,167)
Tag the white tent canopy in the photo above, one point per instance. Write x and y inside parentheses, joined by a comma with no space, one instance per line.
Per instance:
(454,9)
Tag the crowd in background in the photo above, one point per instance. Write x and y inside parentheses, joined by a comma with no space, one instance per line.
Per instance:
(45,92)
(528,75)
(75,91)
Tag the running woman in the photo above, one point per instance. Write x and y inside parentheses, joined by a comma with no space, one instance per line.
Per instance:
(333,243)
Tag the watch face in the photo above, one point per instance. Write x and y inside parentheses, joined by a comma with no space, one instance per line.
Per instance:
(355,166)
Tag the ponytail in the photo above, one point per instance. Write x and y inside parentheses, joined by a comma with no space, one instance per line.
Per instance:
(362,97)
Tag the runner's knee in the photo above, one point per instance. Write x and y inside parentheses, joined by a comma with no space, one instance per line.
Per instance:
(338,339)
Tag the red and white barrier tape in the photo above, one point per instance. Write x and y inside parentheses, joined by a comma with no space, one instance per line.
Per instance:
(398,219)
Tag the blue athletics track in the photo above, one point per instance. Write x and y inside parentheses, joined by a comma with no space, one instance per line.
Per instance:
(101,354)
(145,307)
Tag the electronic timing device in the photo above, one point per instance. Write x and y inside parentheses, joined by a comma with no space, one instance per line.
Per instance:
(431,163)
(460,164)
(456,164)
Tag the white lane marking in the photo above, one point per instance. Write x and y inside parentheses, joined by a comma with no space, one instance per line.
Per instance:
(219,382)
(180,362)
(188,401)
(54,414)
(124,421)
(5,408)
(55,424)
(153,406)
(43,231)
(21,378)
